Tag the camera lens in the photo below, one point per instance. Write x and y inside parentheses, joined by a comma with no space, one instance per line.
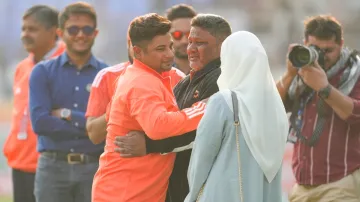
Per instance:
(300,56)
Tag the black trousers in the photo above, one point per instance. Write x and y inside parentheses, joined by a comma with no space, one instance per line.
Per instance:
(178,182)
(23,186)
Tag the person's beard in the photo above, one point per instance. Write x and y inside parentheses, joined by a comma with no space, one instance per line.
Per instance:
(178,54)
(80,52)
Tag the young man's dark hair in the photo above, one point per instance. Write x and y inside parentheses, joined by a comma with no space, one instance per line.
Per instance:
(77,8)
(207,22)
(323,27)
(44,14)
(146,27)
(180,11)
(180,16)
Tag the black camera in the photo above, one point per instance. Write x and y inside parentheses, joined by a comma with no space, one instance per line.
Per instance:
(301,56)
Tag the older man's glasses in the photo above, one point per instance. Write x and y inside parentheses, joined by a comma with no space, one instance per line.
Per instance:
(178,35)
(86,30)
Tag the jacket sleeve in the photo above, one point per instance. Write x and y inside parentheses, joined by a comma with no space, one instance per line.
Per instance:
(185,141)
(42,121)
(148,106)
(99,97)
(173,144)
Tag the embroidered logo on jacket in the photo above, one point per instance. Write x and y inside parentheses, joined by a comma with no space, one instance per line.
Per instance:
(196,94)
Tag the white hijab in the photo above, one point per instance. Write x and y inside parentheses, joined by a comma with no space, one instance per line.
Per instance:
(263,120)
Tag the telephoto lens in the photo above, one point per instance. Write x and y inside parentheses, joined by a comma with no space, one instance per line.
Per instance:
(301,56)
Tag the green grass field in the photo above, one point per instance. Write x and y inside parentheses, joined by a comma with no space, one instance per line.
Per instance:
(5,199)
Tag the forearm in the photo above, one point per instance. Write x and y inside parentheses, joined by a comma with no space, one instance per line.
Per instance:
(96,128)
(170,144)
(341,104)
(47,124)
(283,84)
(170,124)
(78,119)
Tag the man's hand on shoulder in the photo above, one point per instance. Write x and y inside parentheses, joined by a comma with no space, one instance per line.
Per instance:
(131,145)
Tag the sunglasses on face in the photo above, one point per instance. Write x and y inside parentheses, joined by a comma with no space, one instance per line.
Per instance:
(178,35)
(74,30)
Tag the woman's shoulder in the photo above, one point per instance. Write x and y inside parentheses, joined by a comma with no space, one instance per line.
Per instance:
(218,101)
(220,96)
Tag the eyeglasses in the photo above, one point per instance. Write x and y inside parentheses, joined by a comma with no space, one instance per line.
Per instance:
(74,30)
(178,35)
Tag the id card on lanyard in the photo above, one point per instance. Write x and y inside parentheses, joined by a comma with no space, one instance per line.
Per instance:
(22,134)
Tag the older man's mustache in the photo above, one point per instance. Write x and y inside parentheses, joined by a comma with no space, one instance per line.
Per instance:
(26,40)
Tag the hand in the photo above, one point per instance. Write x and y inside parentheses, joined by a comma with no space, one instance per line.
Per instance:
(314,76)
(290,69)
(56,113)
(131,145)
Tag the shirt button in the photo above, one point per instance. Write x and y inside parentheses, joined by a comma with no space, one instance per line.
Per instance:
(77,88)
(76,124)
(77,73)
(72,150)
(75,105)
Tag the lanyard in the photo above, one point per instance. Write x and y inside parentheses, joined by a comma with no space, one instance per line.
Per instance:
(22,134)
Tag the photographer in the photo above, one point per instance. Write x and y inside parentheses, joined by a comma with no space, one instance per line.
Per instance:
(322,91)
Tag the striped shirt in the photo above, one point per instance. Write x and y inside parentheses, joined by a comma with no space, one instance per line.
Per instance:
(337,153)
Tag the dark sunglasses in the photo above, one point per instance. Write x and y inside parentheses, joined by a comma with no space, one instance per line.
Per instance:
(178,35)
(74,30)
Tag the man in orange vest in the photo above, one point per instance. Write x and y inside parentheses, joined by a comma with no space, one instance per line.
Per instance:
(40,41)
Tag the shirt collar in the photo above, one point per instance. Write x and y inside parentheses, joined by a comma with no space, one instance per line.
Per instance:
(64,60)
(51,52)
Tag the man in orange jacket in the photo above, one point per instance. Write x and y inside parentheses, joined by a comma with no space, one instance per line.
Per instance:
(143,100)
(40,41)
(102,90)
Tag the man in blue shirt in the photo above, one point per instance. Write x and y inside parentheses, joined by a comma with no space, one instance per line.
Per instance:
(59,92)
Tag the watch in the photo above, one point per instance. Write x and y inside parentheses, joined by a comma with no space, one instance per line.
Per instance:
(65,114)
(324,93)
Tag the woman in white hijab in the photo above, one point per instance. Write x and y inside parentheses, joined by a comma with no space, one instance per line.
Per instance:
(242,163)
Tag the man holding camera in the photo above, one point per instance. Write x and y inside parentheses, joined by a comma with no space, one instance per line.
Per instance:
(322,91)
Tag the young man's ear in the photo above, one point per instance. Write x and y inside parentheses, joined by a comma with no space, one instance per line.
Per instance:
(342,42)
(305,41)
(60,32)
(137,51)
